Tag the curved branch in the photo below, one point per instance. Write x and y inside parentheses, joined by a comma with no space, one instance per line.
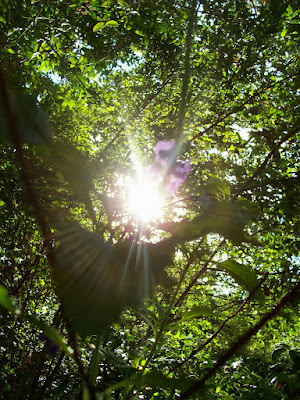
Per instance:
(220,328)
(288,298)
(240,107)
(197,276)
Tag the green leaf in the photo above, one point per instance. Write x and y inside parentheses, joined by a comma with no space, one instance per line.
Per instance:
(123,3)
(157,379)
(111,23)
(5,300)
(106,4)
(31,121)
(196,312)
(96,280)
(284,32)
(244,276)
(2,203)
(94,364)
(116,360)
(3,20)
(98,26)
(289,10)
(51,333)
(140,33)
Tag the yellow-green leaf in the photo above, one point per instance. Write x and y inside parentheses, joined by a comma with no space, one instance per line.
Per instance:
(98,26)
(111,22)
(244,276)
(284,32)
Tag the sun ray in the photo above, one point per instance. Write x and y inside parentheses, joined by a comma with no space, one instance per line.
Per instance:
(129,257)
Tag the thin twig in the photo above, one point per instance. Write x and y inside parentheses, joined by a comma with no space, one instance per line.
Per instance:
(236,109)
(262,166)
(79,363)
(220,328)
(122,129)
(197,276)
(32,22)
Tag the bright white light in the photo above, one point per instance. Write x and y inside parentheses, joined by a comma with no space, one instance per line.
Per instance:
(243,132)
(145,200)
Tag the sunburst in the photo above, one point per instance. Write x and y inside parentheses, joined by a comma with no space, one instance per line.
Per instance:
(145,200)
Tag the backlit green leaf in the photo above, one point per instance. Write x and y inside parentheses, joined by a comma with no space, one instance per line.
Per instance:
(244,276)
(106,4)
(98,26)
(197,311)
(111,23)
(284,32)
(5,300)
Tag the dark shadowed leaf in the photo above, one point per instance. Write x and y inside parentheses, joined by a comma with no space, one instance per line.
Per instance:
(95,280)
(244,276)
(72,165)
(157,379)
(226,219)
(32,123)
(295,356)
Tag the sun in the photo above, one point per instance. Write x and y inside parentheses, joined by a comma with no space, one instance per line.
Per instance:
(145,200)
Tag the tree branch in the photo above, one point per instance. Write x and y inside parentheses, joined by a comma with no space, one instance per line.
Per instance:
(197,276)
(31,193)
(288,298)
(236,109)
(262,166)
(220,328)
